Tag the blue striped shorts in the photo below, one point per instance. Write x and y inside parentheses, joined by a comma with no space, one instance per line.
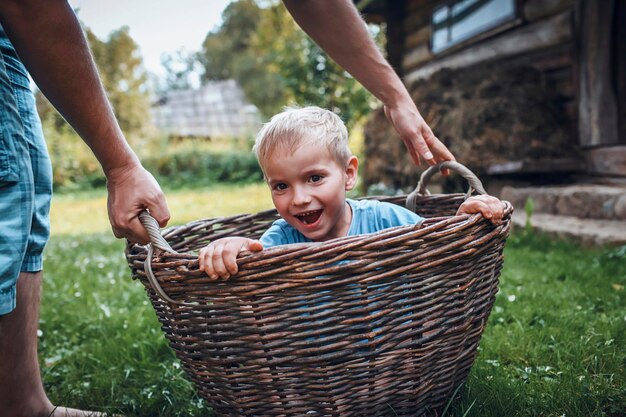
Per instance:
(25,177)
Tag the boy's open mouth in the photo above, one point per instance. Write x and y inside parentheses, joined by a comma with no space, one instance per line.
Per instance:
(309,217)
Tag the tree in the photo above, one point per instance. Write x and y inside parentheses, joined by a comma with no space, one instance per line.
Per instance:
(277,64)
(179,68)
(222,48)
(120,67)
(124,79)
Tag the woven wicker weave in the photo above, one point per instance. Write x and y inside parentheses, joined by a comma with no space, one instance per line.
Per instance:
(385,324)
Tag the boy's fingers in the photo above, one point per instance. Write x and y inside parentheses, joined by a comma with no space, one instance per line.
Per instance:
(229,256)
(485,209)
(201,259)
(254,245)
(475,206)
(490,207)
(217,259)
(498,211)
(204,260)
(208,262)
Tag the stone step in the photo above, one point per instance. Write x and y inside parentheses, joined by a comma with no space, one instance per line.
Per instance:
(588,232)
(587,201)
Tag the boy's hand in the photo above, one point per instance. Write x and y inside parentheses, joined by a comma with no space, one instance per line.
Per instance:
(489,206)
(219,258)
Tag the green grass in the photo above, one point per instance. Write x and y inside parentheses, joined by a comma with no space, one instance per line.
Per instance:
(554,344)
(77,214)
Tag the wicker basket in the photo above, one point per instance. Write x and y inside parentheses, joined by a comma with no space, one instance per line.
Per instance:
(386,324)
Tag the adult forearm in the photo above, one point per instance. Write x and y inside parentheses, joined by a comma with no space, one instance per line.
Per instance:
(336,26)
(51,44)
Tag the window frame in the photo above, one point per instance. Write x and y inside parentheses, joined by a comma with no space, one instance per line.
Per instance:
(503,26)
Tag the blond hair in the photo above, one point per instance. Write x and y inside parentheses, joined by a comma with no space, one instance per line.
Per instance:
(297,126)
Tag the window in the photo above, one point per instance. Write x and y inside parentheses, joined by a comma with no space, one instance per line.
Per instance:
(459,20)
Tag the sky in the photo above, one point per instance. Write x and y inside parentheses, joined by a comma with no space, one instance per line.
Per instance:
(157,26)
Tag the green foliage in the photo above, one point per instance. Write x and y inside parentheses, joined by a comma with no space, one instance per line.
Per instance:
(179,67)
(222,49)
(193,163)
(120,68)
(529,209)
(190,164)
(276,64)
(73,165)
(123,78)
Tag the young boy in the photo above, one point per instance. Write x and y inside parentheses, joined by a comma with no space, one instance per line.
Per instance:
(308,166)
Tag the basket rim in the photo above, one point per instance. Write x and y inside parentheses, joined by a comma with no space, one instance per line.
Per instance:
(425,226)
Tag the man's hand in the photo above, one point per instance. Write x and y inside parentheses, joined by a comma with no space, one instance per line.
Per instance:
(338,28)
(132,189)
(419,139)
(219,258)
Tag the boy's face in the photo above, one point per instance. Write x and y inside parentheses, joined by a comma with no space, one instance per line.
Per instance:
(309,190)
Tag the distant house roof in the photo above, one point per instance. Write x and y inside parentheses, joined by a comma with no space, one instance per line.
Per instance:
(217,109)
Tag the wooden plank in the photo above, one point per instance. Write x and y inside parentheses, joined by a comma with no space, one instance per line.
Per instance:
(620,68)
(562,81)
(598,114)
(416,56)
(609,160)
(570,109)
(418,38)
(559,57)
(554,60)
(418,4)
(417,19)
(394,15)
(534,10)
(523,40)
(537,166)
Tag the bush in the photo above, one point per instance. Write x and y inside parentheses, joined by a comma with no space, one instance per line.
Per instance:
(191,167)
(185,163)
(73,164)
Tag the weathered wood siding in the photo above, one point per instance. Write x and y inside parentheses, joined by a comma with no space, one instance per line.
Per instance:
(216,110)
(578,50)
(541,37)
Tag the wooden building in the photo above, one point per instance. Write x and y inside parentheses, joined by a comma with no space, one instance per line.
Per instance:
(218,109)
(577,48)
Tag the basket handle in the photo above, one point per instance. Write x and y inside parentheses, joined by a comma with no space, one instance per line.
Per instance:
(158,242)
(154,231)
(421,190)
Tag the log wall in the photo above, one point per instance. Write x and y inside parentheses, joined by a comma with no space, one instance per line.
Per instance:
(541,37)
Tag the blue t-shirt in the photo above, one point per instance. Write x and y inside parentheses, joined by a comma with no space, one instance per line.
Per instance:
(368,216)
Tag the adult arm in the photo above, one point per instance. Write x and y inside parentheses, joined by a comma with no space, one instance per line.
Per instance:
(337,27)
(50,42)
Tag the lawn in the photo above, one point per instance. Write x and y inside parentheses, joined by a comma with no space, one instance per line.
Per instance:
(554,345)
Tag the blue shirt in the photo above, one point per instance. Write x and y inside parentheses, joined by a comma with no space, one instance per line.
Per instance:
(368,216)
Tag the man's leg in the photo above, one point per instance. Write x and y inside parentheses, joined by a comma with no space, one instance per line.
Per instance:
(25,192)
(21,389)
